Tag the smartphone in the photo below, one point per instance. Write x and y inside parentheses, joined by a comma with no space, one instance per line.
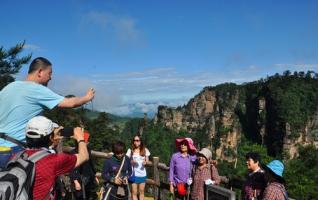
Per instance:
(67,132)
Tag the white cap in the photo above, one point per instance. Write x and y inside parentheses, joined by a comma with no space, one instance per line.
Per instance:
(40,125)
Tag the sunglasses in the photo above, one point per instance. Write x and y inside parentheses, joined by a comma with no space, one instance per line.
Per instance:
(136,140)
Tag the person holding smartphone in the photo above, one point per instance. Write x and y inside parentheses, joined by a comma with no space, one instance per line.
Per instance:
(23,100)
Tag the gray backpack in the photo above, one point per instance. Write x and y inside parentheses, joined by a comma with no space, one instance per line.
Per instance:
(16,180)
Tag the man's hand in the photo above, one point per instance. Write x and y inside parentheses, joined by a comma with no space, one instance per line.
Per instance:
(90,94)
(56,137)
(77,185)
(78,134)
(82,154)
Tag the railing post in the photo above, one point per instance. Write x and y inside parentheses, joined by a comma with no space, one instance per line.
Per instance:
(156,178)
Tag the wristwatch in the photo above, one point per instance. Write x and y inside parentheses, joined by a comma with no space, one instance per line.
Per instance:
(80,141)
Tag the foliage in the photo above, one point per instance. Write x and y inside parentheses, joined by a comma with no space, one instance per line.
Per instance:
(239,168)
(302,174)
(161,141)
(201,139)
(10,63)
(290,99)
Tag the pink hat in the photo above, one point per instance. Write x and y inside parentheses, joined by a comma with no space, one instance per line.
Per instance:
(192,149)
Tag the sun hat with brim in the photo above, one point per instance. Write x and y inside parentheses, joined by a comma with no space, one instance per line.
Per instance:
(206,153)
(39,126)
(192,149)
(275,167)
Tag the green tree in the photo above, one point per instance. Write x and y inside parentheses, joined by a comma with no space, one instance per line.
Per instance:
(10,63)
(302,174)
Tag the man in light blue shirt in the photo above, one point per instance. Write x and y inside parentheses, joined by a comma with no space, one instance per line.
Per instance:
(23,100)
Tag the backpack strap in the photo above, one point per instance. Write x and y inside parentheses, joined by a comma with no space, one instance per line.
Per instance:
(13,140)
(19,157)
(121,167)
(38,155)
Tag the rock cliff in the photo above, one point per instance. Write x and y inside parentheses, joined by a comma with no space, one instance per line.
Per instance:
(228,112)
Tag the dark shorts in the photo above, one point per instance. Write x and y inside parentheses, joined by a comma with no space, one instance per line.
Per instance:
(140,179)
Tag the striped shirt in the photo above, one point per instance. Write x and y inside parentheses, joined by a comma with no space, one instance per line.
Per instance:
(275,191)
(199,176)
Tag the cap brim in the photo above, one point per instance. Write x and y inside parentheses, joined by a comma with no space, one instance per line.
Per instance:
(33,136)
(55,125)
(199,153)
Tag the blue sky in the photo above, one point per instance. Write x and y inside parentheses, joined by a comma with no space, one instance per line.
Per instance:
(139,54)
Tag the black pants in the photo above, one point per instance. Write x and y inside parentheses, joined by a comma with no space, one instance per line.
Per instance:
(90,193)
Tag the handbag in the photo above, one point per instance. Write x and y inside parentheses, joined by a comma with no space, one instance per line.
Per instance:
(120,191)
(181,189)
(118,173)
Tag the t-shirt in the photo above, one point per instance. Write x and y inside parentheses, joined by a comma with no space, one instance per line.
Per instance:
(139,168)
(48,169)
(20,102)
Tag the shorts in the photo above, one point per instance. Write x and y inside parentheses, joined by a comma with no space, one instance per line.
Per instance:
(140,179)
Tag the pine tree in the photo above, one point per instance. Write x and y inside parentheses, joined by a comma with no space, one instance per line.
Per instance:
(10,63)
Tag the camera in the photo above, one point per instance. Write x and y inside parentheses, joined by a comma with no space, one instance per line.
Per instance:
(67,132)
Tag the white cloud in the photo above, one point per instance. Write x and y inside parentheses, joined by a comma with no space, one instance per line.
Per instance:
(144,90)
(33,47)
(105,96)
(298,67)
(123,27)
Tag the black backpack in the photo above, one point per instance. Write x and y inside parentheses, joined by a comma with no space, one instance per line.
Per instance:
(16,180)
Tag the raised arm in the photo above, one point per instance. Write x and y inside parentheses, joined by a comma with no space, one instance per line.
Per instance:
(72,102)
(82,155)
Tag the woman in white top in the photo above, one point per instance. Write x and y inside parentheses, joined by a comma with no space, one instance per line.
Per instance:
(139,156)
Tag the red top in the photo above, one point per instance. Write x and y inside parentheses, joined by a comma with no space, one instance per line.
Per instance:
(48,169)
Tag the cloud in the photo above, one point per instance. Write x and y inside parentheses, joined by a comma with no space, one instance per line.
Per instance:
(33,47)
(297,67)
(139,108)
(123,27)
(144,90)
(105,97)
